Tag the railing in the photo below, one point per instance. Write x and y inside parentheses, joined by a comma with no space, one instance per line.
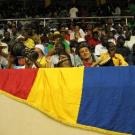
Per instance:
(68,18)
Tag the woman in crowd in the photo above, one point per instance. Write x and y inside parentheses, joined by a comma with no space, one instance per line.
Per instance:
(42,60)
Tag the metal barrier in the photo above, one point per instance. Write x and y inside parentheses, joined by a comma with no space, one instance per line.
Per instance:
(68,18)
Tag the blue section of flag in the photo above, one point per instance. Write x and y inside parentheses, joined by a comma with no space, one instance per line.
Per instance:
(108,99)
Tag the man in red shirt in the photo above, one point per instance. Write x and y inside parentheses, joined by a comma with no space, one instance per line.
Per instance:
(92,39)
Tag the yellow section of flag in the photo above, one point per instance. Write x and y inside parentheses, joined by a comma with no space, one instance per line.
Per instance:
(57,92)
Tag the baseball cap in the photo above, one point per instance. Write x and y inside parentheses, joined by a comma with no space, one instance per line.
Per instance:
(41,47)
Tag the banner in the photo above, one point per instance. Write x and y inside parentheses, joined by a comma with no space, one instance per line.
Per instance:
(96,99)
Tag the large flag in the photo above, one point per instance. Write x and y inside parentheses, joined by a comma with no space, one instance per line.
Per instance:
(96,99)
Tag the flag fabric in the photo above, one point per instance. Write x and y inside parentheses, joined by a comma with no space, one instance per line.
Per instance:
(96,99)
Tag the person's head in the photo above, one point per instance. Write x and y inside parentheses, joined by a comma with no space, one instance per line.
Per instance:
(133,48)
(6,35)
(110,21)
(39,48)
(120,41)
(20,38)
(90,27)
(84,52)
(111,48)
(73,45)
(21,61)
(133,31)
(102,33)
(2,46)
(64,60)
(1,50)
(5,27)
(128,35)
(123,22)
(77,28)
(59,47)
(27,34)
(56,36)
(14,30)
(104,40)
(126,28)
(71,26)
(119,30)
(110,34)
(96,35)
(89,33)
(63,31)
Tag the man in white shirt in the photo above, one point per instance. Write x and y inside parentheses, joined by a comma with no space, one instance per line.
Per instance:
(130,40)
(117,11)
(101,48)
(73,12)
(78,33)
(5,48)
(3,60)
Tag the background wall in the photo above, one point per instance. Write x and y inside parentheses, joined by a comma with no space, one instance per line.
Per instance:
(19,119)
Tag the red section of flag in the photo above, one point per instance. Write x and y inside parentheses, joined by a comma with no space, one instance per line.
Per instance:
(17,82)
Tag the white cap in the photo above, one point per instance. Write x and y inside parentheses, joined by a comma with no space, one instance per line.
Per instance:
(112,41)
(56,33)
(20,36)
(81,40)
(3,44)
(41,47)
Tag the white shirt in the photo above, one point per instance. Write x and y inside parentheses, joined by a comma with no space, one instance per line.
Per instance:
(100,49)
(1,31)
(72,35)
(82,33)
(3,62)
(117,11)
(130,43)
(75,60)
(73,12)
(112,40)
(5,50)
(54,60)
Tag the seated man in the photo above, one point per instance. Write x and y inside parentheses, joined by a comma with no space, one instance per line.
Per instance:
(86,55)
(111,58)
(64,60)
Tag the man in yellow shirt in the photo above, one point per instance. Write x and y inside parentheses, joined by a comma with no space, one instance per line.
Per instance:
(111,58)
(29,43)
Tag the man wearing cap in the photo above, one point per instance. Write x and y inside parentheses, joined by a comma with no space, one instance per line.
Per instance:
(58,38)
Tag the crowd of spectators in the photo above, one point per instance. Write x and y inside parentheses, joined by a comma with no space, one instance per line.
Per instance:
(73,45)
(13,9)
